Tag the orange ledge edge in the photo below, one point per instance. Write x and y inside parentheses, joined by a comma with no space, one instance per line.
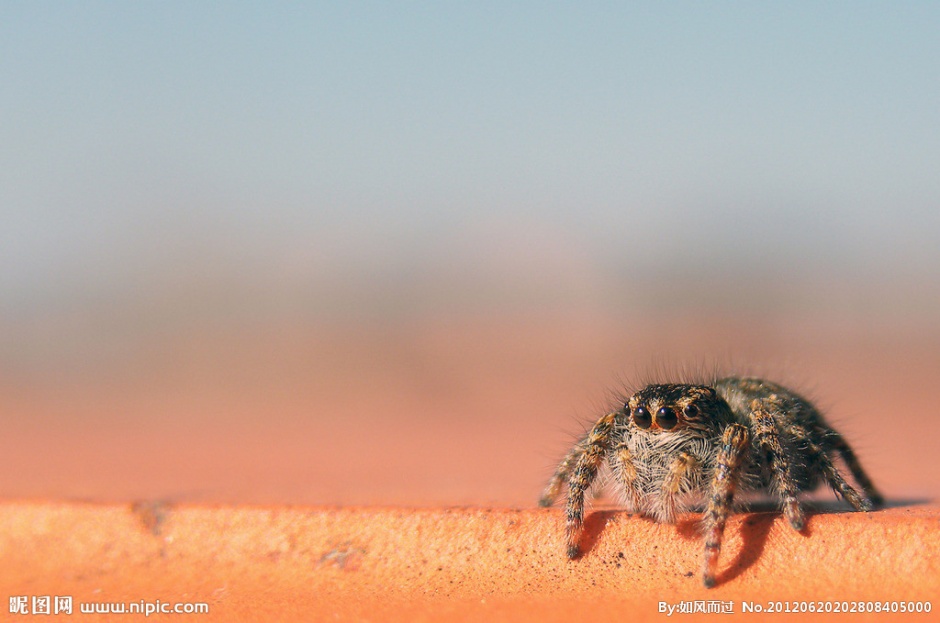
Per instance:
(387,564)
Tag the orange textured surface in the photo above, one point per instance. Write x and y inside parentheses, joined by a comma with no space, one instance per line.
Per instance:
(393,564)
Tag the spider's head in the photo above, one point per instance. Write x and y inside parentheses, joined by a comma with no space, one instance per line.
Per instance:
(674,407)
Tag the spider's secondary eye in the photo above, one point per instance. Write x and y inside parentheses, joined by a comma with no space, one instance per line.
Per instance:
(642,417)
(666,418)
(690,411)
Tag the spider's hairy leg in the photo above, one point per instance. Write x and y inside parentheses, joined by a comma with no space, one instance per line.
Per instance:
(672,486)
(839,443)
(727,471)
(832,475)
(550,494)
(621,462)
(595,448)
(767,439)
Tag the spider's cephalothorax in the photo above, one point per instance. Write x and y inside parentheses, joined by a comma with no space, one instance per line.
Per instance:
(672,445)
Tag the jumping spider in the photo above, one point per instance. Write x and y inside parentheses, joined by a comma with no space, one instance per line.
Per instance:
(673,444)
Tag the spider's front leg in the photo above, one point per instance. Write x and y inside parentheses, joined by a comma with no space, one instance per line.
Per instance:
(595,447)
(727,471)
(562,473)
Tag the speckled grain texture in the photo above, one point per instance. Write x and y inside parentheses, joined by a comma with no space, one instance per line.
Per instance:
(396,564)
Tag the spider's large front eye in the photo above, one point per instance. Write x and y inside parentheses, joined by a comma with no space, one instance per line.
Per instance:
(642,417)
(666,418)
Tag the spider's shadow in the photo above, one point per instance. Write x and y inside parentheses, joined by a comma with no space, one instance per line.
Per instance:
(761,516)
(755,529)
(594,525)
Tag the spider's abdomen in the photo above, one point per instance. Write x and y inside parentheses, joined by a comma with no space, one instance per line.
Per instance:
(789,407)
(793,419)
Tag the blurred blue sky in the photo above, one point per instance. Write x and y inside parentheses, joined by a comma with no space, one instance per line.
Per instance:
(316,146)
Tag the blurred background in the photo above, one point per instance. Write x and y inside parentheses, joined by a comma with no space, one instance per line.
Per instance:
(401,253)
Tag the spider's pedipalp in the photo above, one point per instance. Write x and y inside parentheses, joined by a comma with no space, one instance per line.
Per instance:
(624,471)
(679,471)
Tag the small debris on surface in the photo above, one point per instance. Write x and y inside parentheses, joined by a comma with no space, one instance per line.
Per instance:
(152,514)
(344,557)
